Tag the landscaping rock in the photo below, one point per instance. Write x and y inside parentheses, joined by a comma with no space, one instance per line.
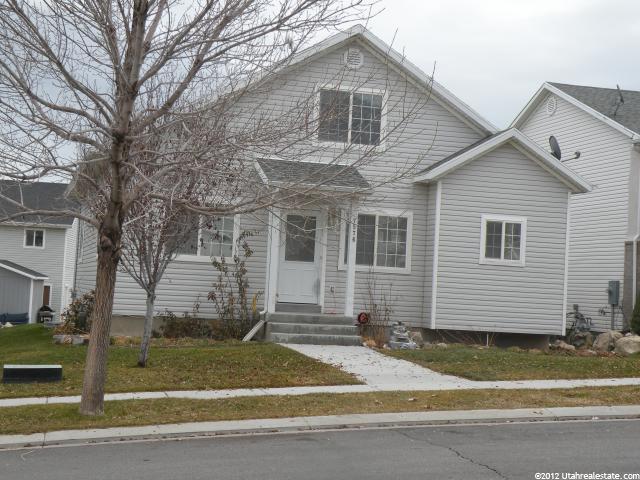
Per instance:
(416,337)
(8,325)
(582,340)
(606,342)
(562,346)
(628,345)
(442,345)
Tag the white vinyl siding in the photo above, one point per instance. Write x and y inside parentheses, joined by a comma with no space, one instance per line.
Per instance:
(498,297)
(599,219)
(48,260)
(431,132)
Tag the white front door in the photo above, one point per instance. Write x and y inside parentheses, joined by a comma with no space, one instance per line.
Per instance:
(299,269)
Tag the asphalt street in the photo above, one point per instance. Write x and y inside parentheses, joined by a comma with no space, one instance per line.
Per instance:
(516,450)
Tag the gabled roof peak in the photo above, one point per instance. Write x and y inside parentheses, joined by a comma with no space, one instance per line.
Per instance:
(474,151)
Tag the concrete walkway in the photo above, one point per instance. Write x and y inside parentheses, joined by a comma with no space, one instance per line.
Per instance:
(379,372)
(303,424)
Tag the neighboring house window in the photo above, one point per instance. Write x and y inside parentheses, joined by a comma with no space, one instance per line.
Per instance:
(34,238)
(382,242)
(350,117)
(503,240)
(213,238)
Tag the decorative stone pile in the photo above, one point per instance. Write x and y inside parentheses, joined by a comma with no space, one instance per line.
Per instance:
(612,341)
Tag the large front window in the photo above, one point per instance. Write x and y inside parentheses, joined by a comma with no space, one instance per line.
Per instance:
(503,240)
(350,117)
(213,238)
(382,241)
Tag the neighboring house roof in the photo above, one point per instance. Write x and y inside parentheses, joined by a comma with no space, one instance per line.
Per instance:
(359,32)
(24,271)
(39,195)
(598,102)
(276,171)
(445,166)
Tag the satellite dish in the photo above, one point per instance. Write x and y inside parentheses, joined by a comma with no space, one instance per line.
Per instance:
(555,147)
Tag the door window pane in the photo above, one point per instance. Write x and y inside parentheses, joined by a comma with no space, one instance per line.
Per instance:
(300,241)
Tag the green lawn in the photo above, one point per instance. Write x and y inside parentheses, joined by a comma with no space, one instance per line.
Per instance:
(15,420)
(504,364)
(199,366)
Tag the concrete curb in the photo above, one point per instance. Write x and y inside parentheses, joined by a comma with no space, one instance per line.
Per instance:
(302,424)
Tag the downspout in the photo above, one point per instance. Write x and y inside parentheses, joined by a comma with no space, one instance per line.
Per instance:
(636,237)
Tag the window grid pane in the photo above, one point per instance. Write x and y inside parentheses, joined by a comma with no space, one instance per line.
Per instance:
(493,245)
(392,241)
(216,238)
(334,116)
(366,115)
(392,244)
(512,237)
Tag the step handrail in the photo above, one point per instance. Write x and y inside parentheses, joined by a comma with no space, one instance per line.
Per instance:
(257,327)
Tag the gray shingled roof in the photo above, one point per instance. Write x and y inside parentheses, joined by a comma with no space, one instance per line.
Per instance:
(23,270)
(604,100)
(459,152)
(40,195)
(321,174)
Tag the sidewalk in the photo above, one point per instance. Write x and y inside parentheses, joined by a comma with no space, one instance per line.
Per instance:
(302,424)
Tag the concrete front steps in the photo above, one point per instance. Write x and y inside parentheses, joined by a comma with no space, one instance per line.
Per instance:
(311,328)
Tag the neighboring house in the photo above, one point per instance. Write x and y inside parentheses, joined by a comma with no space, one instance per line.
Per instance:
(37,254)
(474,237)
(603,125)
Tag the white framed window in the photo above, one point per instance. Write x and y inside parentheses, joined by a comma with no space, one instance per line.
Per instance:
(33,238)
(215,238)
(350,117)
(383,242)
(503,240)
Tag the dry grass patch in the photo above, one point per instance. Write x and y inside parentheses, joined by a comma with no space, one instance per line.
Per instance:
(41,418)
(175,365)
(495,363)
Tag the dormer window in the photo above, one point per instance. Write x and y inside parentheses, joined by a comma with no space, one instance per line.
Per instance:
(350,117)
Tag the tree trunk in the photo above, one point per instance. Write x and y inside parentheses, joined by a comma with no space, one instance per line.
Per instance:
(148,326)
(95,370)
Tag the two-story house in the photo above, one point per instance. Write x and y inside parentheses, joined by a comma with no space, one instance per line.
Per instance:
(37,254)
(598,133)
(472,236)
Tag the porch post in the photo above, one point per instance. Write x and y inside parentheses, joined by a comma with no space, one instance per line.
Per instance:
(351,261)
(273,259)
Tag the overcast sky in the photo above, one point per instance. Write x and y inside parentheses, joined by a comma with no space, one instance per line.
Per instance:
(494,54)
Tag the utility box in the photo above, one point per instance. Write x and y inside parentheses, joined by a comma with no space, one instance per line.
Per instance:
(614,292)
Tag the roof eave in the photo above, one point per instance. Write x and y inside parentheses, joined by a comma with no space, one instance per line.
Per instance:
(548,88)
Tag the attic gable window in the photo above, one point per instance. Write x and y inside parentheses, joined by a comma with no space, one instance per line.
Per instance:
(350,117)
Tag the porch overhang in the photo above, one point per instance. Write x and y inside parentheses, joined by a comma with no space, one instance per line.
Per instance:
(311,175)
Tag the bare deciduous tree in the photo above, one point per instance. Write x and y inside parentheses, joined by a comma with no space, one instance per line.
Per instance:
(140,104)
(92,76)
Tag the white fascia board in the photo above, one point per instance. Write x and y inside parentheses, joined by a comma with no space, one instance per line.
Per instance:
(547,88)
(575,182)
(24,274)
